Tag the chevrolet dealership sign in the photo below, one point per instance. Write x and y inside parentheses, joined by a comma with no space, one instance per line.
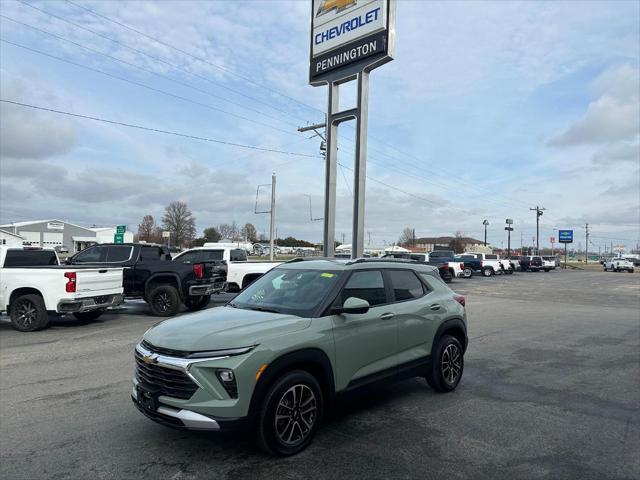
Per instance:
(349,33)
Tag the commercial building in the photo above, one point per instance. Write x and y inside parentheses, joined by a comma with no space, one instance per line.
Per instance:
(10,239)
(54,233)
(429,244)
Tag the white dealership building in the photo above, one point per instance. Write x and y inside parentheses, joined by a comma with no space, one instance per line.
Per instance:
(56,233)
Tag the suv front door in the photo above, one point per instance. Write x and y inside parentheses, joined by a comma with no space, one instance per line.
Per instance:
(366,344)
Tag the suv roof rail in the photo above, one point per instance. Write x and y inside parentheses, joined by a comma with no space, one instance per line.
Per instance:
(382,260)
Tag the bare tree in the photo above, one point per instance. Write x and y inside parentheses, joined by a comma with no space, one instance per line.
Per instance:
(179,221)
(406,237)
(249,232)
(457,243)
(226,231)
(146,227)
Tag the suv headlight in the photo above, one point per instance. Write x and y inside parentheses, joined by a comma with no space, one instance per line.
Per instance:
(228,381)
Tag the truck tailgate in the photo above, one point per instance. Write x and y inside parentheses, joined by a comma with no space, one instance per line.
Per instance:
(99,280)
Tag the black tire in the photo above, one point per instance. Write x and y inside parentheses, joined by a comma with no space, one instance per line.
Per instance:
(487,272)
(467,272)
(197,302)
(439,377)
(89,316)
(270,437)
(28,313)
(164,301)
(510,271)
(546,270)
(631,271)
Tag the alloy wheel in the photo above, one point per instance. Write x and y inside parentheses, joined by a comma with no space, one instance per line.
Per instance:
(27,313)
(451,364)
(296,415)
(162,302)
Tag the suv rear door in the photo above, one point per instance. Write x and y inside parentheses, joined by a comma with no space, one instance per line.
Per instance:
(417,314)
(366,344)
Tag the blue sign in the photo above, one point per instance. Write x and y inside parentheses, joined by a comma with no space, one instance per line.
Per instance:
(565,236)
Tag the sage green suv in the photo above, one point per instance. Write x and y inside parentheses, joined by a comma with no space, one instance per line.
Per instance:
(305,331)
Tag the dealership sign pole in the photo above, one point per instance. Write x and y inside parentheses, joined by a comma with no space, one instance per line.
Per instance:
(565,236)
(349,38)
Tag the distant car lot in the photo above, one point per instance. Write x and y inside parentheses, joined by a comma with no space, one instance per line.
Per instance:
(550,391)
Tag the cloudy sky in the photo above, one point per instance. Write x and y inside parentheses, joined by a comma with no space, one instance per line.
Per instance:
(489,108)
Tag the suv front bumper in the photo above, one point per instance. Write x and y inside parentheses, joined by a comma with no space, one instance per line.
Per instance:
(89,303)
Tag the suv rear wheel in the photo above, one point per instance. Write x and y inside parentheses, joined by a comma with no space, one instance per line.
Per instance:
(447,365)
(290,414)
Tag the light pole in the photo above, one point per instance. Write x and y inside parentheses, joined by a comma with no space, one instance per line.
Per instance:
(485,222)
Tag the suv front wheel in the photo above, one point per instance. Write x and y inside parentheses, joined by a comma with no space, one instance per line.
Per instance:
(447,365)
(290,414)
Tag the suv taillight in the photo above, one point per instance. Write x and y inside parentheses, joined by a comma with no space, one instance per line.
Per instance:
(198,270)
(70,286)
(481,263)
(460,299)
(462,266)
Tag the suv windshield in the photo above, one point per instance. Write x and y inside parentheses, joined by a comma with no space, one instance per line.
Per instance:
(291,291)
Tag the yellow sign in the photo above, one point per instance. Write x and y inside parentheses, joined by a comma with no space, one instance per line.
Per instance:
(338,5)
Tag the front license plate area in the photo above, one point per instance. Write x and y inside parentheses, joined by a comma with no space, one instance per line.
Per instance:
(147,398)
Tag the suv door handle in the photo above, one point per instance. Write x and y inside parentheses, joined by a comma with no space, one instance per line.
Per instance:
(386,316)
(435,306)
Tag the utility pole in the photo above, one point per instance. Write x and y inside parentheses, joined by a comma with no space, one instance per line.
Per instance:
(485,222)
(586,248)
(538,211)
(413,239)
(272,228)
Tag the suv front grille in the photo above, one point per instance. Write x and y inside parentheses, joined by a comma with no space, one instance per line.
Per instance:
(163,380)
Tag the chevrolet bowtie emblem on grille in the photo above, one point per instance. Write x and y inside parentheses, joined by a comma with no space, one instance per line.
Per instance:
(338,5)
(148,359)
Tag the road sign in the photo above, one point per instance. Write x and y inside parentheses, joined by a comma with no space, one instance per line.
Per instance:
(552,239)
(118,238)
(166,234)
(120,229)
(349,35)
(565,236)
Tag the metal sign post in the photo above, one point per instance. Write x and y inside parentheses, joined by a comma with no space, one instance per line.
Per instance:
(348,40)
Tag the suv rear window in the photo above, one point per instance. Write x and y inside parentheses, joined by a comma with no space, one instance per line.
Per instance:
(406,285)
(491,257)
(30,258)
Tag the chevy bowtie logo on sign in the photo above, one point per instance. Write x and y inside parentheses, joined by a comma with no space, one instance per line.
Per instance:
(346,32)
(337,5)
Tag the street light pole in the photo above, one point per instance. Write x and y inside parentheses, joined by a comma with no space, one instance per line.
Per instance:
(485,222)
(509,229)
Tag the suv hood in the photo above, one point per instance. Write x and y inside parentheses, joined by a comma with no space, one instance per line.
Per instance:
(220,328)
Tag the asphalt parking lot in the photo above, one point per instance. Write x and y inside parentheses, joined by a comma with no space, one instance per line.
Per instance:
(551,389)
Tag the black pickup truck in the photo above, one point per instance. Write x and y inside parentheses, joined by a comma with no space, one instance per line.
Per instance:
(150,274)
(443,267)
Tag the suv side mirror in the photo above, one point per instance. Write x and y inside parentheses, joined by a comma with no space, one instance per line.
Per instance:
(352,305)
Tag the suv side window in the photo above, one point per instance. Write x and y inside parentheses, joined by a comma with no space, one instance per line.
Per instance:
(211,255)
(405,284)
(118,253)
(367,285)
(96,254)
(150,253)
(237,255)
(190,257)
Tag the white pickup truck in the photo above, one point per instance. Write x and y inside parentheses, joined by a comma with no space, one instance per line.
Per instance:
(618,265)
(32,284)
(240,271)
(489,263)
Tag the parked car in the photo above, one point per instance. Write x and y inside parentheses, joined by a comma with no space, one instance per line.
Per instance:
(151,275)
(445,271)
(32,285)
(486,263)
(276,355)
(634,260)
(548,263)
(240,272)
(618,265)
(531,263)
(456,268)
(514,260)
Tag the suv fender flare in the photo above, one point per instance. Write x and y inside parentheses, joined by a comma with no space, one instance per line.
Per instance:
(456,325)
(151,279)
(299,359)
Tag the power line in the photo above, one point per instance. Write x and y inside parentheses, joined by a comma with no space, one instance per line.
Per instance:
(148,87)
(157,130)
(195,57)
(153,57)
(187,85)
